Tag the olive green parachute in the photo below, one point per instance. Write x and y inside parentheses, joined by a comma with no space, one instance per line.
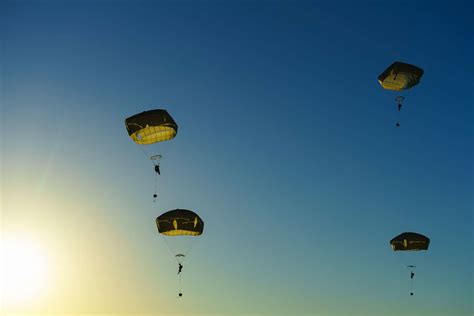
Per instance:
(178,228)
(400,76)
(410,242)
(180,222)
(407,243)
(150,127)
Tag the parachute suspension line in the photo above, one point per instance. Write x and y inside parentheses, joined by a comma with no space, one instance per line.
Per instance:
(179,259)
(168,246)
(399,100)
(147,155)
(403,263)
(412,275)
(180,288)
(156,166)
(180,293)
(155,195)
(398,119)
(177,256)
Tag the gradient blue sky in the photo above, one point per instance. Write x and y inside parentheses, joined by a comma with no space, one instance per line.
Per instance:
(286,148)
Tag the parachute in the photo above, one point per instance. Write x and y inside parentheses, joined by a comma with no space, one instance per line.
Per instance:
(150,127)
(179,222)
(400,76)
(410,242)
(177,227)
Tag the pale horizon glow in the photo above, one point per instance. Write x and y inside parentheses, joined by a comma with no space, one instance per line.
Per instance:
(25,271)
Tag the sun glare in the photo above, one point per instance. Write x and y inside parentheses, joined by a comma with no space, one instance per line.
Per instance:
(23,273)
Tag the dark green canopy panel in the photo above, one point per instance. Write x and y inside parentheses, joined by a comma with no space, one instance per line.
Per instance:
(180,222)
(150,127)
(400,76)
(410,242)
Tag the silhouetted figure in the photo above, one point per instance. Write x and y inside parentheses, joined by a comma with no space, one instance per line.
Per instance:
(399,107)
(180,267)
(157,169)
(412,275)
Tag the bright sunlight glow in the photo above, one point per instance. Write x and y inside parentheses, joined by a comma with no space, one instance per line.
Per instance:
(23,271)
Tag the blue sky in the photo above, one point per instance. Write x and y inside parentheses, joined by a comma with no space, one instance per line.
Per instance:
(286,148)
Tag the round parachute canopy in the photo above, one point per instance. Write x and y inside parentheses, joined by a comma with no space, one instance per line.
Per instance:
(400,76)
(180,223)
(150,127)
(410,242)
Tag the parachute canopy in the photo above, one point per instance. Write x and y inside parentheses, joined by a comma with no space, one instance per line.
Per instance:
(410,242)
(150,127)
(179,222)
(400,76)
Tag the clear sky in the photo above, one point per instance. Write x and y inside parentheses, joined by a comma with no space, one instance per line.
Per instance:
(286,148)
